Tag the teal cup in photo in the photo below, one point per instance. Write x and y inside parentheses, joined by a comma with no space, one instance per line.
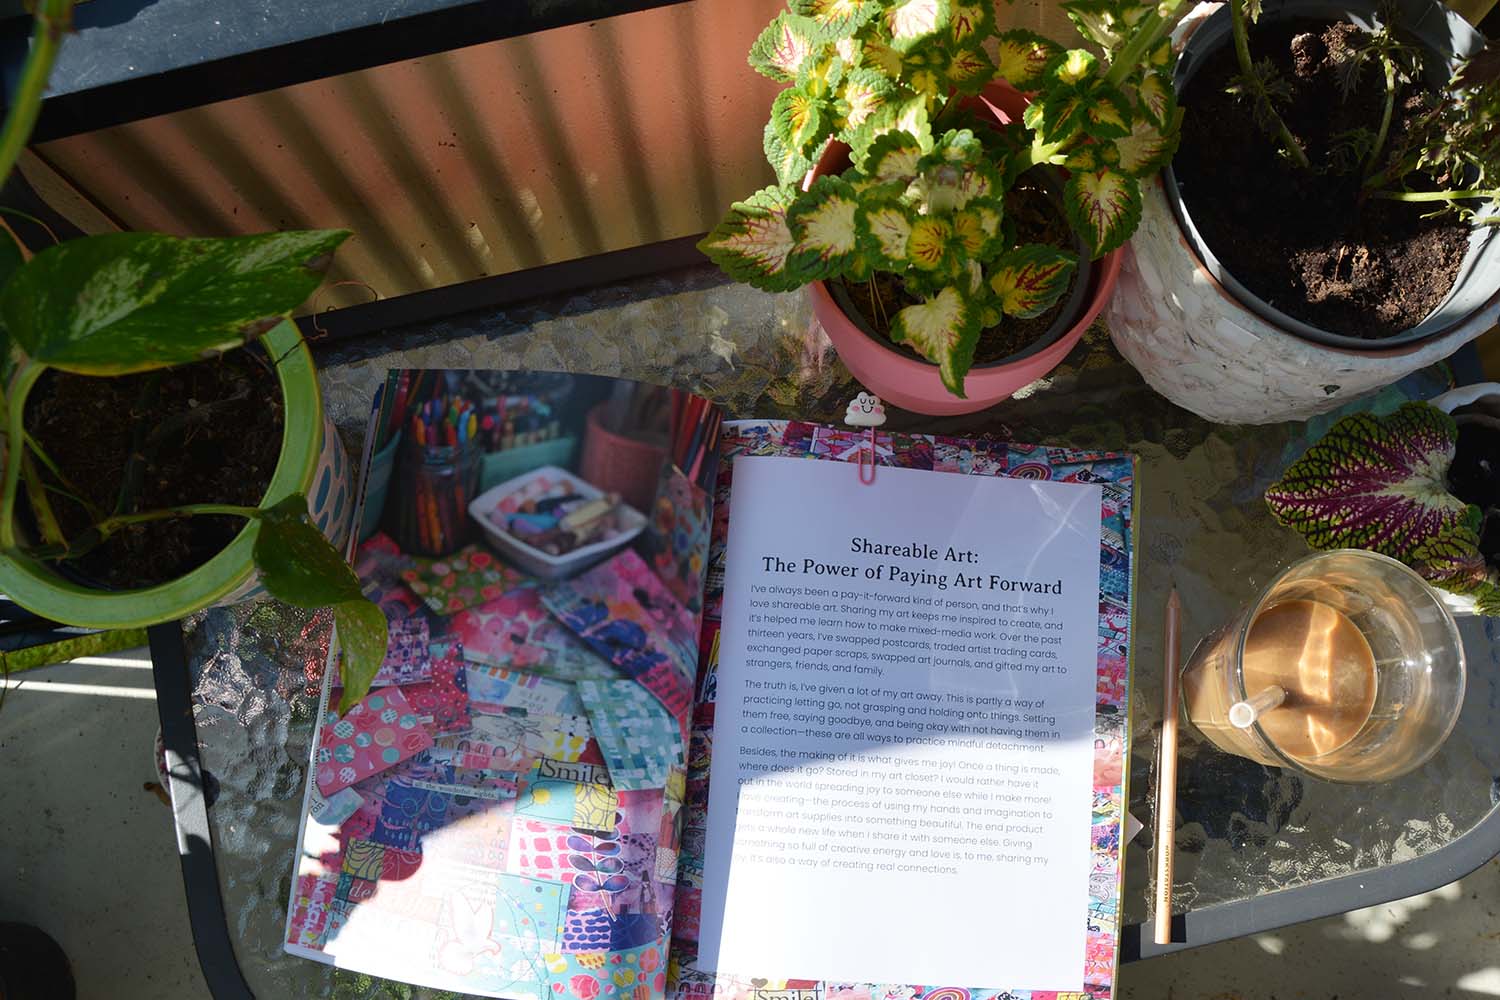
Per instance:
(381,465)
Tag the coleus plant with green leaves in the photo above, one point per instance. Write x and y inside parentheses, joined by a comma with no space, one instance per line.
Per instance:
(923,195)
(1381,483)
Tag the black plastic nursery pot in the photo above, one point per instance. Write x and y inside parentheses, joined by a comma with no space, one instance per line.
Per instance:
(1442,33)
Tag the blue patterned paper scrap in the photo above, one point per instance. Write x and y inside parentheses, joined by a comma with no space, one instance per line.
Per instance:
(640,741)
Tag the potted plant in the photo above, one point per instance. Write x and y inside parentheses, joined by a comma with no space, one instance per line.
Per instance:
(937,216)
(161,426)
(1417,485)
(1323,229)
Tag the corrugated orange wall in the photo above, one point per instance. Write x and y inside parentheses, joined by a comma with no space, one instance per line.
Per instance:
(483,160)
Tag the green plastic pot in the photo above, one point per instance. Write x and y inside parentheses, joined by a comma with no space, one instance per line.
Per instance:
(230,574)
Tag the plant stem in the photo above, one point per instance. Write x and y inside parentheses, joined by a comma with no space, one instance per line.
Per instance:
(1436,195)
(1385,114)
(69,490)
(1247,68)
(1146,35)
(41,507)
(54,18)
(110,525)
(15,449)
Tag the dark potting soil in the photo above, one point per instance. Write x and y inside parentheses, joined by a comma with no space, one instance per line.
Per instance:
(211,433)
(1474,476)
(1037,220)
(1304,241)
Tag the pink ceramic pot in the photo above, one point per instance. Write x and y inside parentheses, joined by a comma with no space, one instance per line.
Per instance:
(914,385)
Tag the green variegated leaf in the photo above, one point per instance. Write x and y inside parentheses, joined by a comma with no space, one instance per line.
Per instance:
(909,116)
(836,18)
(945,331)
(929,247)
(801,121)
(979,181)
(1029,279)
(860,268)
(753,241)
(924,285)
(1106,115)
(823,225)
(1075,66)
(1252,10)
(909,22)
(300,566)
(1094,156)
(1163,58)
(821,76)
(118,303)
(876,52)
(1454,562)
(1024,58)
(1106,23)
(957,147)
(863,93)
(970,70)
(1156,97)
(1147,148)
(972,21)
(784,45)
(977,230)
(1058,115)
(893,158)
(1104,207)
(851,50)
(790,165)
(1377,483)
(885,227)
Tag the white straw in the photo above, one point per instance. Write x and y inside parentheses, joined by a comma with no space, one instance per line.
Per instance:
(1244,713)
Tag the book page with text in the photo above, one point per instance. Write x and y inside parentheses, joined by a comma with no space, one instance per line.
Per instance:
(900,787)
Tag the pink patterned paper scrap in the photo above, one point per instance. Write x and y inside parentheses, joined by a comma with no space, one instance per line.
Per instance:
(442,703)
(314,897)
(514,630)
(376,734)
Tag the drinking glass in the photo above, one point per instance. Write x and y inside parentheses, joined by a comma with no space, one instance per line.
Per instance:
(1331,628)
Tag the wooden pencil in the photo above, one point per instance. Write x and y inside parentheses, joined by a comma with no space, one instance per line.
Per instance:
(1166,774)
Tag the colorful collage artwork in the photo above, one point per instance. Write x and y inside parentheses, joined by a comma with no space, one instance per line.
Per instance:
(1115,473)
(517,808)
(501,817)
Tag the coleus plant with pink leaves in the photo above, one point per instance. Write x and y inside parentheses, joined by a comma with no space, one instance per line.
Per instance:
(1382,483)
(923,195)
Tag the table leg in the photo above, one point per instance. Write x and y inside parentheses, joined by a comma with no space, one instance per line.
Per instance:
(200,874)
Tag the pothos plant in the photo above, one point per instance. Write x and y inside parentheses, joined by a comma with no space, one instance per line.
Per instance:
(1382,483)
(122,303)
(1449,147)
(923,195)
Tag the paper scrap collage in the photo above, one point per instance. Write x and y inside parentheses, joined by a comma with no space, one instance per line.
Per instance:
(500,813)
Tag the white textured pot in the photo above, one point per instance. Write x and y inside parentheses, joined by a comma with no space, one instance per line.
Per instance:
(1489,394)
(1199,346)
(1194,344)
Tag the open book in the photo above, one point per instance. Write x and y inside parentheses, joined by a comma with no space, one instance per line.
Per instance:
(673,705)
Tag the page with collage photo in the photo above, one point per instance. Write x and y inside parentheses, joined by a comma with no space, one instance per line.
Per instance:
(500,815)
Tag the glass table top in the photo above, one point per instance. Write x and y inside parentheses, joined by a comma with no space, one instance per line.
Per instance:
(1243,830)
